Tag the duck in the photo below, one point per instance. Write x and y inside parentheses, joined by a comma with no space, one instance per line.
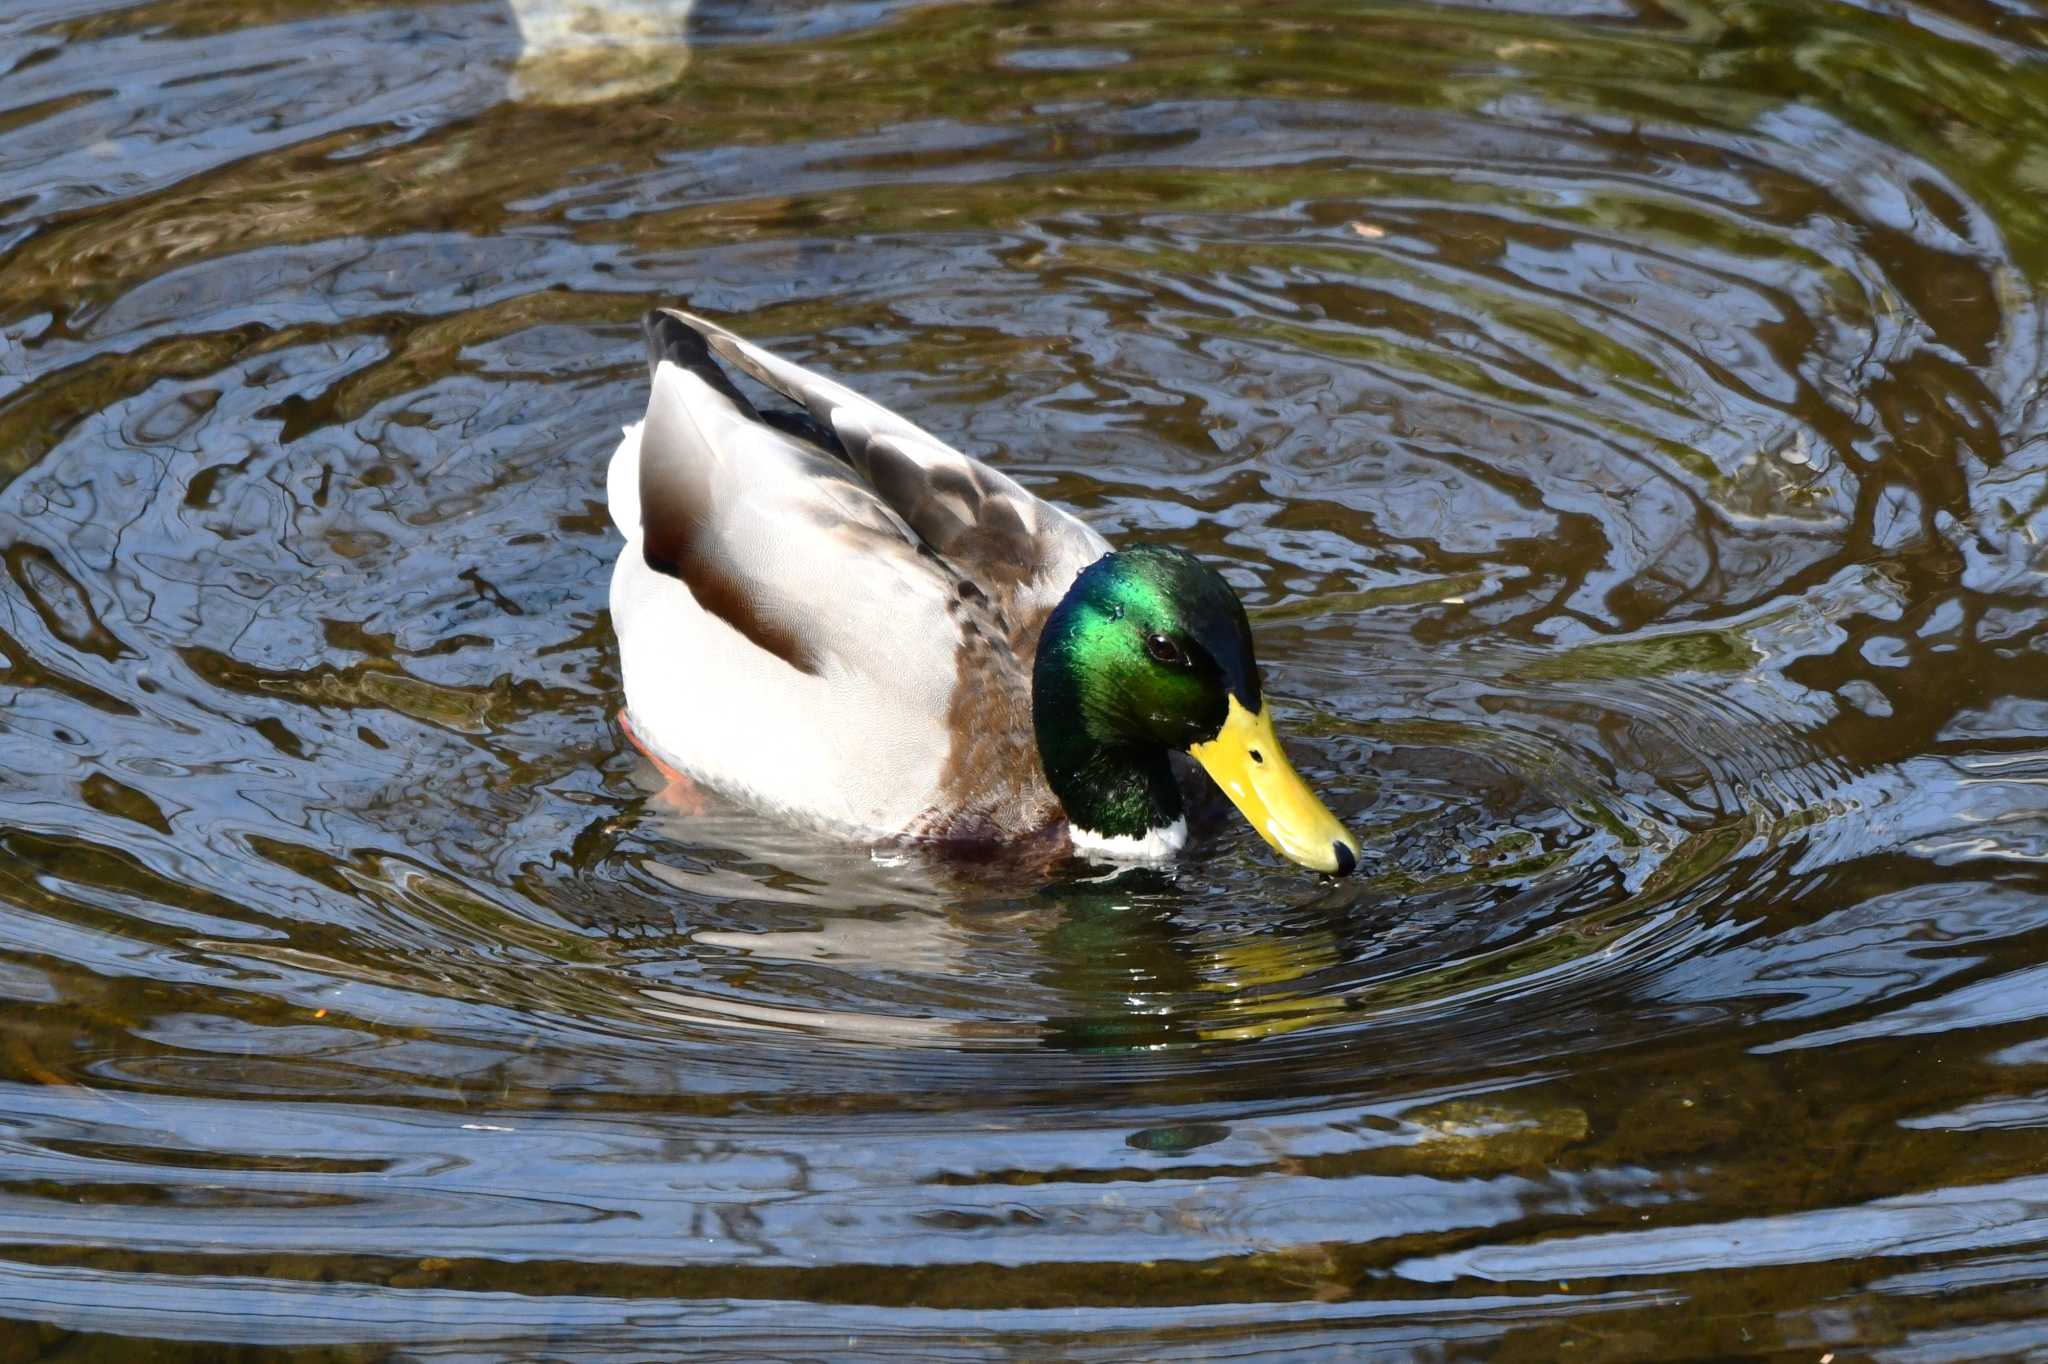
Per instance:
(829,614)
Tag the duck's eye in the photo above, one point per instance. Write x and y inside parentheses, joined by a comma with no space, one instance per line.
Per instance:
(1164,650)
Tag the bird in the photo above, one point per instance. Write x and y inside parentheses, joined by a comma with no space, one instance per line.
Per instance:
(831,615)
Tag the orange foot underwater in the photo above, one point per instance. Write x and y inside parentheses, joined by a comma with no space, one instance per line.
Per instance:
(681,795)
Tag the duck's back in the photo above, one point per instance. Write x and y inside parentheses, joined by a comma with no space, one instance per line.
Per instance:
(838,628)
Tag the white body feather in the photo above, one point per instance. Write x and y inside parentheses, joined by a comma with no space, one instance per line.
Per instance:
(845,749)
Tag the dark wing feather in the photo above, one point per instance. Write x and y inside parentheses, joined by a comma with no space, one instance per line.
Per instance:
(770,534)
(993,530)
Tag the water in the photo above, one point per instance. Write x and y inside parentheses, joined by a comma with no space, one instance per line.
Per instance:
(1622,417)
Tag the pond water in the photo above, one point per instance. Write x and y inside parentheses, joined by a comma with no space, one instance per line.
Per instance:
(1622,417)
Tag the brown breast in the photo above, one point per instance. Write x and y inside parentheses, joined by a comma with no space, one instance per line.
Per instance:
(992,789)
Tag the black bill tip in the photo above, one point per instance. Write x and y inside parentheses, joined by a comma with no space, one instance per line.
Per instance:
(1347,861)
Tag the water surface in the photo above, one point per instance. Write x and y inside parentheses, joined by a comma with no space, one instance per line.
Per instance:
(1623,419)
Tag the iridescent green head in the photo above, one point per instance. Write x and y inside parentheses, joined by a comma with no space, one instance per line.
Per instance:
(1150,651)
(1152,642)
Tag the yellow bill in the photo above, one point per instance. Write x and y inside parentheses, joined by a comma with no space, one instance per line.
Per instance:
(1246,760)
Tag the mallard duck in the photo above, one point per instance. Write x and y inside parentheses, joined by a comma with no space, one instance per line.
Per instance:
(834,615)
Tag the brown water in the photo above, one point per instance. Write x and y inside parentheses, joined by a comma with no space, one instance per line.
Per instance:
(1622,416)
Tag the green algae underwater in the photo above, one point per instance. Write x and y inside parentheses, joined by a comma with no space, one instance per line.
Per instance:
(1622,420)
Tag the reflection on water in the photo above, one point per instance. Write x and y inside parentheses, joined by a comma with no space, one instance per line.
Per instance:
(595,51)
(1623,421)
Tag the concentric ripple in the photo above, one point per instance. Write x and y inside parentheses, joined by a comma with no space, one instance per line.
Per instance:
(1621,420)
